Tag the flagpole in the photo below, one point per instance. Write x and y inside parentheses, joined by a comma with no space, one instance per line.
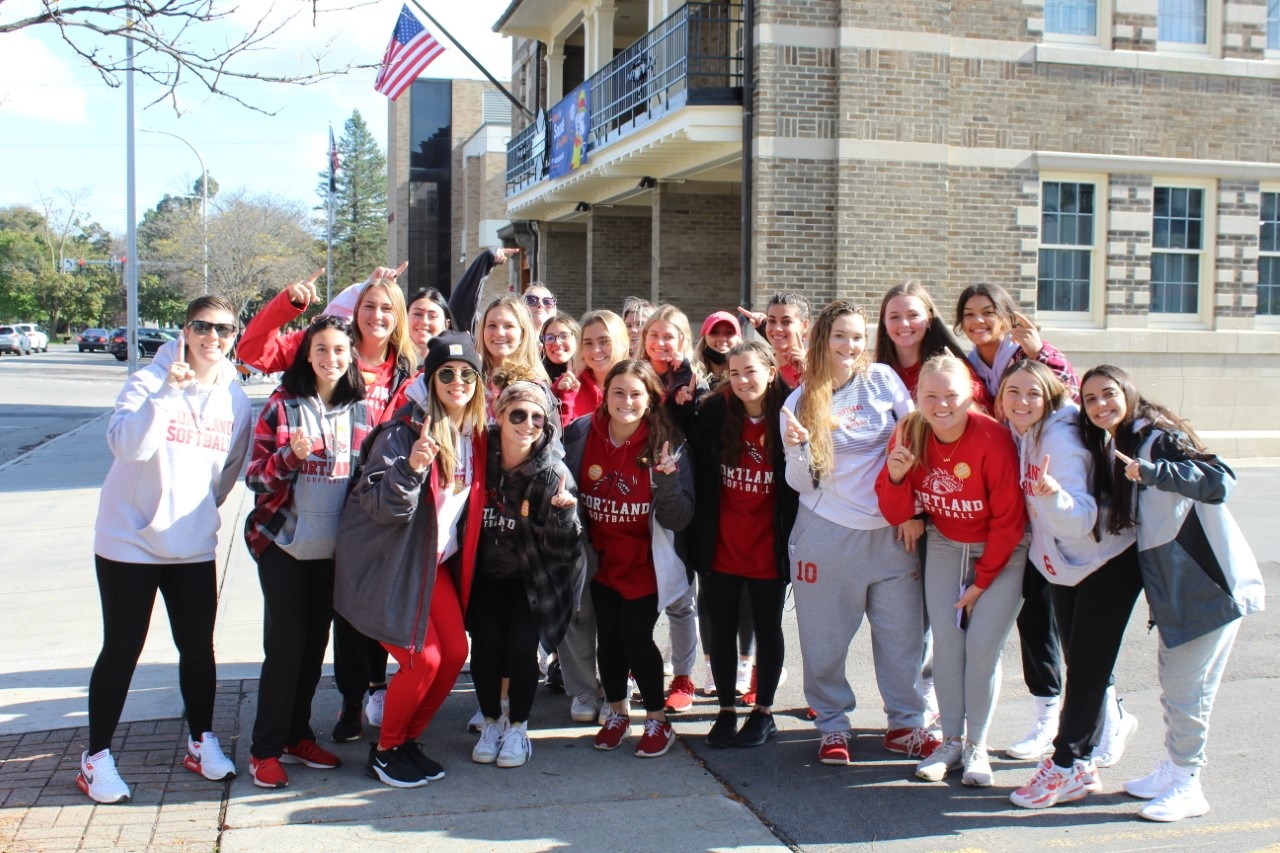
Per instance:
(485,71)
(328,260)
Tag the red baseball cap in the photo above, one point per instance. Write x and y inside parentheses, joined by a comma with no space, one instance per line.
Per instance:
(720,317)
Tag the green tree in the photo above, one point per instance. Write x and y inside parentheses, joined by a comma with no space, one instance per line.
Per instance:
(360,204)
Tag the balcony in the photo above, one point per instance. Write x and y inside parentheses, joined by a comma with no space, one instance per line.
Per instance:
(691,59)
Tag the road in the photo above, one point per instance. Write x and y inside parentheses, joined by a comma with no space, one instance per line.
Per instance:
(874,805)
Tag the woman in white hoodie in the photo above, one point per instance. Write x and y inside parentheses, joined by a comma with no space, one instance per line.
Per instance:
(180,433)
(1092,572)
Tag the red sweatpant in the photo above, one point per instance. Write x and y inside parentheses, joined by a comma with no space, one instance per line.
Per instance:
(427,675)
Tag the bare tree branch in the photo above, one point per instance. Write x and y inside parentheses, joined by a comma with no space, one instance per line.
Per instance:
(165,34)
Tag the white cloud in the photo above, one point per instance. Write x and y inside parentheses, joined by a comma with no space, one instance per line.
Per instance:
(35,83)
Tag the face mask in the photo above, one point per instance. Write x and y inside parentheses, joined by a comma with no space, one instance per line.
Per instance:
(716,358)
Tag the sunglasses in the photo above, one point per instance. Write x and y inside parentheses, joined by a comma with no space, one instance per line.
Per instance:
(204,327)
(532,301)
(447,375)
(518,416)
(563,337)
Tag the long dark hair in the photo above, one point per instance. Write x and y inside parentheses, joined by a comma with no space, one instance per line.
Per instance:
(774,396)
(299,378)
(937,337)
(661,428)
(1109,483)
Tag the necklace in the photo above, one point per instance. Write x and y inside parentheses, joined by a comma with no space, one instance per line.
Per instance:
(955,446)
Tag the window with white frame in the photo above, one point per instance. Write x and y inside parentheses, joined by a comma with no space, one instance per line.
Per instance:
(1273,24)
(1269,256)
(1182,22)
(1073,17)
(1177,249)
(1067,246)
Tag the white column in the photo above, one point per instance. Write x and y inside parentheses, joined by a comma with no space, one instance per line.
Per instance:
(599,33)
(555,72)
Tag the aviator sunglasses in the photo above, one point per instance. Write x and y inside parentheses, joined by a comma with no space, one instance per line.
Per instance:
(447,375)
(532,301)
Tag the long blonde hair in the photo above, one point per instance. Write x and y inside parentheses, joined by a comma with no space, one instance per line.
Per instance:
(447,436)
(527,350)
(814,408)
(915,429)
(399,344)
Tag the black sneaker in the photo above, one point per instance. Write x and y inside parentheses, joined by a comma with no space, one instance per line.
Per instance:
(431,768)
(758,728)
(348,726)
(393,767)
(723,729)
(555,676)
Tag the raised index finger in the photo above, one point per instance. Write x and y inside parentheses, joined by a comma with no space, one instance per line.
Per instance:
(1125,459)
(788,414)
(1044,467)
(564,481)
(1022,319)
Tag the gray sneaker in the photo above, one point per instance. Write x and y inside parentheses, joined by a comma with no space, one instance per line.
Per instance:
(944,759)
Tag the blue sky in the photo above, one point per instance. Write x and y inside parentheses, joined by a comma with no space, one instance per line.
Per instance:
(62,130)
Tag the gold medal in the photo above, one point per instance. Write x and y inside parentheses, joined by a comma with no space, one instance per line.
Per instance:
(962,470)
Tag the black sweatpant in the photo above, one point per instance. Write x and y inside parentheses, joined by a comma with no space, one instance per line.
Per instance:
(128,594)
(504,643)
(357,661)
(1038,636)
(624,643)
(723,601)
(297,606)
(1092,617)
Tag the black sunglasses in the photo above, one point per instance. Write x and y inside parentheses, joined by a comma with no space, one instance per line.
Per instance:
(447,375)
(532,301)
(204,327)
(517,417)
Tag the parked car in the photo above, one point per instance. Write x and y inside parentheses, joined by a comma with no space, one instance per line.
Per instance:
(149,340)
(37,335)
(93,340)
(14,340)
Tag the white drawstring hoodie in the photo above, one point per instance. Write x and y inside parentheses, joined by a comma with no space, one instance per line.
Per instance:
(178,454)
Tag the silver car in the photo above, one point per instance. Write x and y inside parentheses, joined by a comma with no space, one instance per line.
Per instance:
(14,340)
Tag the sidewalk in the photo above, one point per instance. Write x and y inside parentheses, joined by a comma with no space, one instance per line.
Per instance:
(569,795)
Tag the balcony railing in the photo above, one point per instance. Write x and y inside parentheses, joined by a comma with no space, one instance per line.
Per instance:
(693,57)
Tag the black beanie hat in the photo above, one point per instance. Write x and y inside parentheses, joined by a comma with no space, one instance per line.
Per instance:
(450,346)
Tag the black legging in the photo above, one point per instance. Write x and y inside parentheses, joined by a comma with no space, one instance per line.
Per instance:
(724,604)
(1092,617)
(128,594)
(624,642)
(297,606)
(1038,637)
(745,629)
(357,661)
(504,643)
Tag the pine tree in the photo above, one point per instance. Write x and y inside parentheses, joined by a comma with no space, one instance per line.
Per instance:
(360,204)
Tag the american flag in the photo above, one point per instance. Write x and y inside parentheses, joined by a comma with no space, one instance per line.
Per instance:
(333,163)
(411,50)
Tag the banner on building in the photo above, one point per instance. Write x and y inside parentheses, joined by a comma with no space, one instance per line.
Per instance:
(570,123)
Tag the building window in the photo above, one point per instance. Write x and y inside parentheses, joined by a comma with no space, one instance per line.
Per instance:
(1073,17)
(1273,24)
(1177,244)
(1269,256)
(1182,21)
(1066,246)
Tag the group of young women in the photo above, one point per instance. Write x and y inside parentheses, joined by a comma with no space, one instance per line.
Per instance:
(565,482)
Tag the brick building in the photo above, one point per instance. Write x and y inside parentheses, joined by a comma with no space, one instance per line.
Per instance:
(1114,163)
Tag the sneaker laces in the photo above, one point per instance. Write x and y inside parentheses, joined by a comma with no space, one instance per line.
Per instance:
(914,741)
(652,727)
(1045,776)
(835,738)
(105,771)
(615,720)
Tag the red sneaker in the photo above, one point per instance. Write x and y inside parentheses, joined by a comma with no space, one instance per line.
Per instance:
(310,753)
(615,729)
(656,740)
(810,714)
(267,773)
(680,696)
(917,743)
(748,699)
(834,748)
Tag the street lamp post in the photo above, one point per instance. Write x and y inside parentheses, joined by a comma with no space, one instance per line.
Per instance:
(204,198)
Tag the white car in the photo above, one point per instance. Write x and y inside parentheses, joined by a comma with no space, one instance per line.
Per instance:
(38,337)
(14,340)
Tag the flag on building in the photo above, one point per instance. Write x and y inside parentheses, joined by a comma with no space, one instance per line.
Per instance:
(333,163)
(411,50)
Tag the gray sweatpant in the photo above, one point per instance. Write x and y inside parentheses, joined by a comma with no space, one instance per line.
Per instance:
(838,575)
(578,650)
(1190,675)
(966,664)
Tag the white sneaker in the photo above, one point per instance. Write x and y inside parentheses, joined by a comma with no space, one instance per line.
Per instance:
(584,708)
(944,759)
(516,747)
(1153,784)
(476,723)
(709,686)
(977,766)
(100,780)
(1035,743)
(205,756)
(373,706)
(486,749)
(1115,737)
(1182,799)
(743,682)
